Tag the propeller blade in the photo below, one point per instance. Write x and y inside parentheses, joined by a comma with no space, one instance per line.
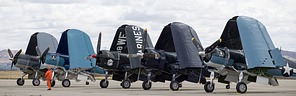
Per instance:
(38,51)
(42,58)
(18,53)
(144,44)
(10,53)
(14,60)
(195,43)
(213,46)
(11,66)
(99,43)
(199,47)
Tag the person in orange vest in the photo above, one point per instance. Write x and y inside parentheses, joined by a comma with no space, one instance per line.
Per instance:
(48,76)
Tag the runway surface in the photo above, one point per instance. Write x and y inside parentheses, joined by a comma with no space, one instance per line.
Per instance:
(9,88)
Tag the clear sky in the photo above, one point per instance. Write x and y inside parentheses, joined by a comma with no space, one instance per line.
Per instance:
(21,18)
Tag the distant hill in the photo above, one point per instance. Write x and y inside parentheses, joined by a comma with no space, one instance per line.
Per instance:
(5,63)
(289,53)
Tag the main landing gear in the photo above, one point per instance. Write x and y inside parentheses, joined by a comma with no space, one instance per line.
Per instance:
(104,83)
(36,82)
(21,81)
(210,85)
(175,85)
(126,84)
(146,85)
(241,87)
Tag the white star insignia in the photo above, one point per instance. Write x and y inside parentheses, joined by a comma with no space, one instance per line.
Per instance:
(287,69)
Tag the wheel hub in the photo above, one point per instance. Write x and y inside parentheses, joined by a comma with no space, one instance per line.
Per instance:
(126,84)
(175,85)
(66,83)
(242,87)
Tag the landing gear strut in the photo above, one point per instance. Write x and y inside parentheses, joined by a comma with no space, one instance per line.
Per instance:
(146,85)
(126,83)
(104,83)
(36,81)
(175,85)
(241,87)
(21,81)
(210,86)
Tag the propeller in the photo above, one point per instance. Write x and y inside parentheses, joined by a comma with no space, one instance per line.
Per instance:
(38,51)
(213,46)
(198,46)
(14,58)
(99,43)
(98,48)
(10,53)
(43,55)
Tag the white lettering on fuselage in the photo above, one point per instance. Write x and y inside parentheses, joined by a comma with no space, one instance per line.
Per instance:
(121,42)
(138,38)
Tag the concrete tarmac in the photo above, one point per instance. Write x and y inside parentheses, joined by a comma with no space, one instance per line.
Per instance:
(9,88)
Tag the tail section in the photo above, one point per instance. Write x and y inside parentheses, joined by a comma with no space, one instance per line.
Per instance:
(129,39)
(43,41)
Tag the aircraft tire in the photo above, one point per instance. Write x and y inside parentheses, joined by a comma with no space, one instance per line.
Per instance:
(66,83)
(146,85)
(208,88)
(241,87)
(52,83)
(126,84)
(174,85)
(36,82)
(227,86)
(20,82)
(86,83)
(104,83)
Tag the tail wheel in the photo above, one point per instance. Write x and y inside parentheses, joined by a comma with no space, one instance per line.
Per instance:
(209,87)
(241,87)
(146,85)
(104,83)
(66,83)
(20,82)
(174,85)
(126,84)
(36,82)
(227,86)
